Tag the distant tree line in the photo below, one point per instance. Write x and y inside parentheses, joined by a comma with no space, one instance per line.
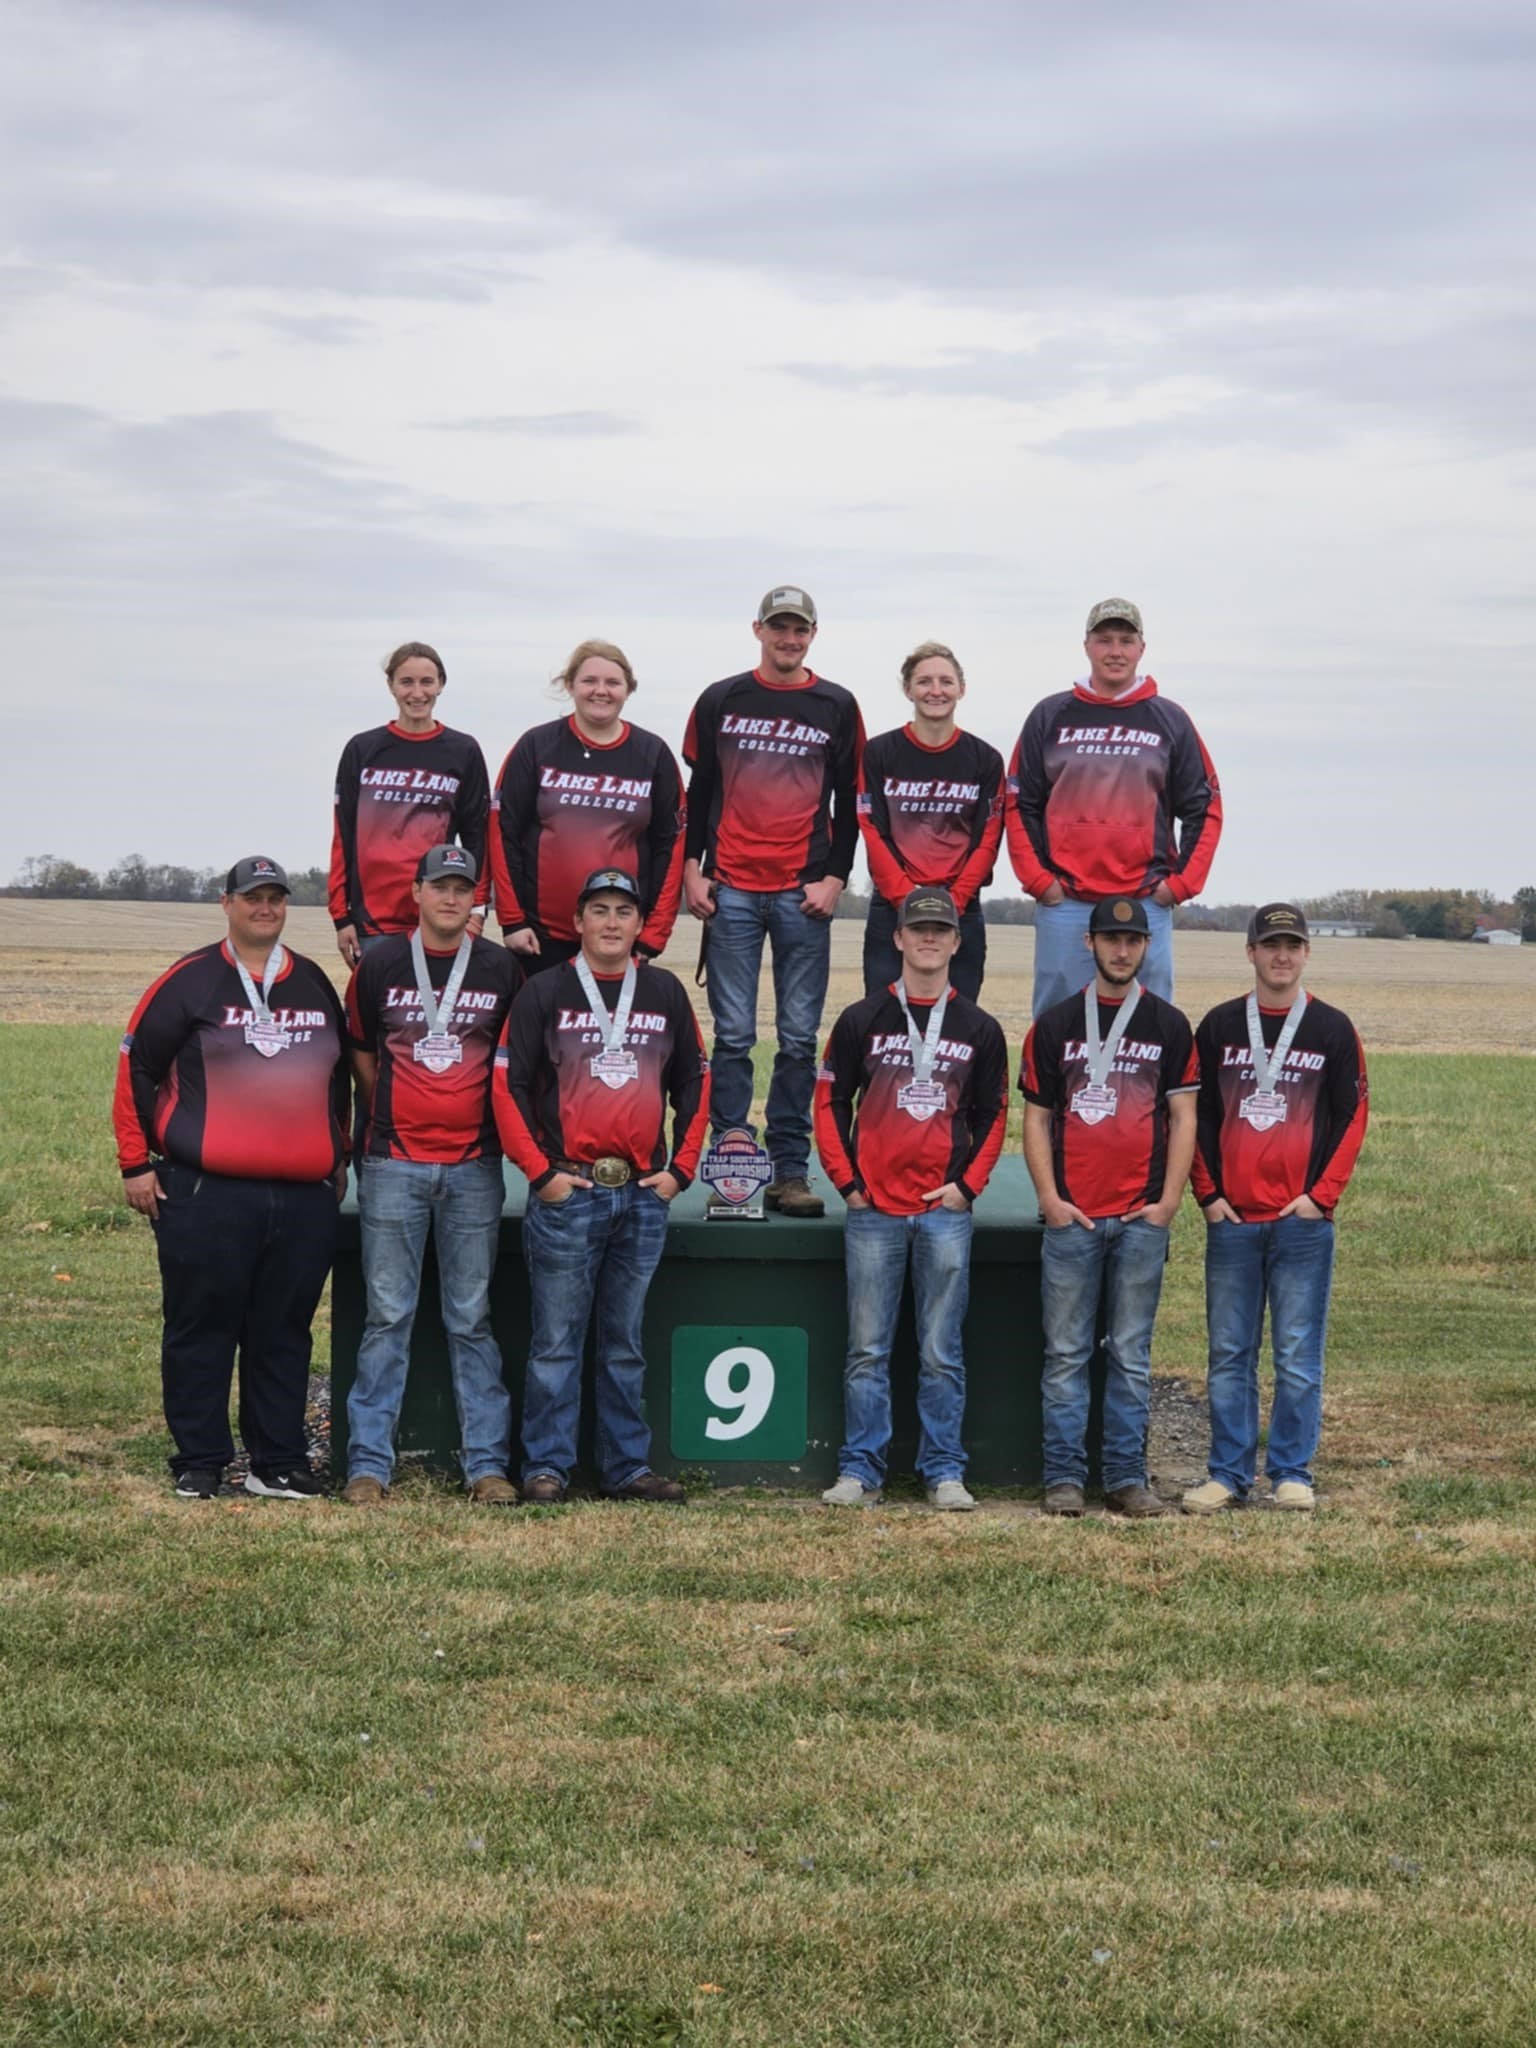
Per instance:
(136,880)
(1386,913)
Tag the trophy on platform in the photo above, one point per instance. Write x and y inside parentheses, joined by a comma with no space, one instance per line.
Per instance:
(735,1169)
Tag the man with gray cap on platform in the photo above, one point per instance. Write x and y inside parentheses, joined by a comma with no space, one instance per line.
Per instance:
(231,1120)
(425,1011)
(1102,775)
(772,827)
(1109,1082)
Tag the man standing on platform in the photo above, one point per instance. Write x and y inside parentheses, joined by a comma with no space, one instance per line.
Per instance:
(231,1119)
(1283,1105)
(772,826)
(911,1107)
(1109,1084)
(426,1014)
(1101,776)
(594,1051)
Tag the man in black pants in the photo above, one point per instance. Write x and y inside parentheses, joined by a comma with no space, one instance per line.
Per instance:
(231,1119)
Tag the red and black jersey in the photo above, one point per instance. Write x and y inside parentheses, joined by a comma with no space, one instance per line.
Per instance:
(397,793)
(551,1105)
(1095,787)
(1117,1162)
(565,807)
(424,1108)
(190,1088)
(1261,1166)
(930,814)
(772,802)
(896,1155)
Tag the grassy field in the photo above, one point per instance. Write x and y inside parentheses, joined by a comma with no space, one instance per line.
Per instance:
(752,1773)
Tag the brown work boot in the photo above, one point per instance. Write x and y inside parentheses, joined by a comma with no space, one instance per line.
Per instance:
(543,1490)
(493,1490)
(1135,1500)
(363,1492)
(648,1486)
(1064,1498)
(792,1197)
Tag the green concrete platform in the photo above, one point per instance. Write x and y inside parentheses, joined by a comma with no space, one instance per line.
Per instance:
(745,1333)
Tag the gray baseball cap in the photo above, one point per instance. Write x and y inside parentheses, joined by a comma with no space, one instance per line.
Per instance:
(602,880)
(1115,611)
(787,599)
(440,862)
(255,872)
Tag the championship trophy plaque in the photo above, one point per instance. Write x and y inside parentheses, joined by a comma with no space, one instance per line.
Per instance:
(735,1169)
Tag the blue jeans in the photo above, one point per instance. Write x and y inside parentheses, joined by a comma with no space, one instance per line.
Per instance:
(882,962)
(399,1201)
(1289,1264)
(876,1248)
(593,1253)
(1064,965)
(802,949)
(1121,1265)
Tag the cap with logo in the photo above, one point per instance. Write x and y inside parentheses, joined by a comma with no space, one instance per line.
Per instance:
(928,906)
(787,601)
(604,880)
(446,863)
(1115,611)
(1119,914)
(255,872)
(1276,921)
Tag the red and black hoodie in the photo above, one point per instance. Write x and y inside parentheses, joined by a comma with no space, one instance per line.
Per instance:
(192,1091)
(869,1144)
(930,814)
(773,798)
(1095,788)
(549,1103)
(397,793)
(1313,1151)
(417,1112)
(1118,1164)
(566,806)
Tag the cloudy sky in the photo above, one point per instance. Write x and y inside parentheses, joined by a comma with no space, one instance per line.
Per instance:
(326,326)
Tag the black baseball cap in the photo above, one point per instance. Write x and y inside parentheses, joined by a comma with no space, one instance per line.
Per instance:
(602,881)
(1277,921)
(928,906)
(439,863)
(1119,914)
(255,872)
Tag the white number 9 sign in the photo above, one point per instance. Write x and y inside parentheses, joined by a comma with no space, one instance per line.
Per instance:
(746,1404)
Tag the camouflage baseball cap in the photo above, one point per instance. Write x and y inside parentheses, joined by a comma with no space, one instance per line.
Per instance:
(444,863)
(1114,611)
(255,872)
(786,600)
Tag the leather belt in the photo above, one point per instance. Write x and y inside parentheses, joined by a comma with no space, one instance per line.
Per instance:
(608,1172)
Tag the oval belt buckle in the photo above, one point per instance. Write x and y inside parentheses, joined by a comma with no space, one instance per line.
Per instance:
(610,1172)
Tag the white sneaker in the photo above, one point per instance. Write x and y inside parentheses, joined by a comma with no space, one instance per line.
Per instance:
(950,1497)
(850,1492)
(1296,1495)
(1208,1499)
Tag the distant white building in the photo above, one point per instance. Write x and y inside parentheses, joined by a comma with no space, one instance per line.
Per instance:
(1495,935)
(1337,928)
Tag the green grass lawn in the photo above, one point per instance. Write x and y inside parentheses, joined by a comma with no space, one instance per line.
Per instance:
(752,1773)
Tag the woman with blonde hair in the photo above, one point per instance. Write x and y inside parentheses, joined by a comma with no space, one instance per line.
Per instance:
(931,812)
(585,791)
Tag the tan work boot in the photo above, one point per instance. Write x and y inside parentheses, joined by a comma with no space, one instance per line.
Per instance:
(363,1492)
(493,1490)
(1209,1498)
(792,1197)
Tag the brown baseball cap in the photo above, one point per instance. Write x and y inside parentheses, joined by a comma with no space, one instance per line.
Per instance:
(787,600)
(1115,611)
(928,906)
(1277,921)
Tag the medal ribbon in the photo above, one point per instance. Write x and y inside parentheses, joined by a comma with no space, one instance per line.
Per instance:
(925,1050)
(614,1027)
(439,1012)
(1102,1057)
(1267,1066)
(258,1000)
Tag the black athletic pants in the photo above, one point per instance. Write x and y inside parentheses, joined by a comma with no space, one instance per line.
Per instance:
(242,1265)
